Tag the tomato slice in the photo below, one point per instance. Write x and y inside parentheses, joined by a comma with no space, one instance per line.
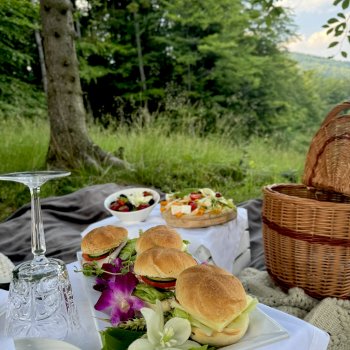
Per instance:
(193,205)
(195,196)
(142,206)
(159,284)
(87,257)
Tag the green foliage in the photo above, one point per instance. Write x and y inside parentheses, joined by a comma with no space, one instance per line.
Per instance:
(20,82)
(118,339)
(20,99)
(225,63)
(322,66)
(224,71)
(223,107)
(338,28)
(329,79)
(17,44)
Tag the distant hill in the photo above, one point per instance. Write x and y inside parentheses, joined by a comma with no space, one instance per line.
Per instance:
(327,67)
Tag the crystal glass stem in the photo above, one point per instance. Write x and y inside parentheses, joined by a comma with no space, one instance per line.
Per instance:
(40,301)
(38,237)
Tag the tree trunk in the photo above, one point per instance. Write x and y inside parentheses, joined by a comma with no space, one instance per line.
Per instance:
(139,52)
(41,56)
(144,110)
(70,145)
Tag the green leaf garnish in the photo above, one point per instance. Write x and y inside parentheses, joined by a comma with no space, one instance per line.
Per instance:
(118,338)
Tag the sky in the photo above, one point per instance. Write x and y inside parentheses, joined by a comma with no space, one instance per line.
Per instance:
(310,16)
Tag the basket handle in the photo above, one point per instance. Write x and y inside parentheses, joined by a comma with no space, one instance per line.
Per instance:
(335,112)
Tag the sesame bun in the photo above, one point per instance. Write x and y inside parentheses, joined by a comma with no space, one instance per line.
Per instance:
(159,236)
(102,239)
(162,262)
(215,298)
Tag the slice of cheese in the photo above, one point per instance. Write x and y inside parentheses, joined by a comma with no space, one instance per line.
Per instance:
(183,209)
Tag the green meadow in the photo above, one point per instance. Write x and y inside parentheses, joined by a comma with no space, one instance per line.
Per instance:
(161,158)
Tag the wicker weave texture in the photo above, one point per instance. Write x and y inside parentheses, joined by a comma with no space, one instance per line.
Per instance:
(307,239)
(327,164)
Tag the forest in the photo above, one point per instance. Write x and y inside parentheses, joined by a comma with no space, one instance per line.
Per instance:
(221,61)
(210,71)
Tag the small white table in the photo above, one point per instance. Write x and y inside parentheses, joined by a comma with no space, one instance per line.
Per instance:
(227,245)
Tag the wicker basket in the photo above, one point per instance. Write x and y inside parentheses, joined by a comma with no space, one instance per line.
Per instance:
(327,164)
(306,227)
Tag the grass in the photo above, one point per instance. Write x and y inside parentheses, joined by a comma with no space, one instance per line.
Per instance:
(161,157)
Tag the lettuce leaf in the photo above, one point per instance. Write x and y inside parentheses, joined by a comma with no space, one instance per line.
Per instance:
(129,250)
(151,294)
(178,312)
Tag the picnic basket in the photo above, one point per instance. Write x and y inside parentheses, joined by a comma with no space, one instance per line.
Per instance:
(306,227)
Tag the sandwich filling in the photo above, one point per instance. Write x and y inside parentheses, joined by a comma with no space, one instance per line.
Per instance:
(208,327)
(162,283)
(108,256)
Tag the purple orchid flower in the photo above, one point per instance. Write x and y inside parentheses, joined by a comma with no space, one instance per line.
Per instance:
(108,276)
(117,299)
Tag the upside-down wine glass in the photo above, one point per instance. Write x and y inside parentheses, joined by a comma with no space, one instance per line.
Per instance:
(40,301)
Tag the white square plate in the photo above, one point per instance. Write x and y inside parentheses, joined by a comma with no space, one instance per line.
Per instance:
(262,328)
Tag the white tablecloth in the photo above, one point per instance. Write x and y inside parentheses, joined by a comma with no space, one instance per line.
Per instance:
(221,241)
(302,335)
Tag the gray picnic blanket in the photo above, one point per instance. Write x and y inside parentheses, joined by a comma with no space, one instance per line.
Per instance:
(65,217)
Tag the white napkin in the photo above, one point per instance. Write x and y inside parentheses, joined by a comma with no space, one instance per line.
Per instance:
(3,301)
(7,343)
(6,267)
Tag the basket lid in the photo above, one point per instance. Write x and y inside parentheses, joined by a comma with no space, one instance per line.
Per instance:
(327,164)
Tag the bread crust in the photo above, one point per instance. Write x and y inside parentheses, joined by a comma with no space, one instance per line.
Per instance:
(212,295)
(162,262)
(159,236)
(102,239)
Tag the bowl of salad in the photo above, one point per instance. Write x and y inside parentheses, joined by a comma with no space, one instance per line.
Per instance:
(132,204)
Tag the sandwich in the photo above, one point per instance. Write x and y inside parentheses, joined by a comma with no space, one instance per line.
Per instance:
(215,303)
(159,236)
(159,267)
(103,244)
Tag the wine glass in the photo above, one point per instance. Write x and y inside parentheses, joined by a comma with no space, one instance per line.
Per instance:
(40,301)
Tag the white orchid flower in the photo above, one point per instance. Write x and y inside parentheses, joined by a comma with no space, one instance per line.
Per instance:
(171,336)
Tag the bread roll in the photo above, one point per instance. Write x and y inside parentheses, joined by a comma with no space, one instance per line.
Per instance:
(103,239)
(211,294)
(159,236)
(162,262)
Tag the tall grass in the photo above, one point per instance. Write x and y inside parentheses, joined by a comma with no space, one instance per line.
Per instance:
(162,157)
(23,144)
